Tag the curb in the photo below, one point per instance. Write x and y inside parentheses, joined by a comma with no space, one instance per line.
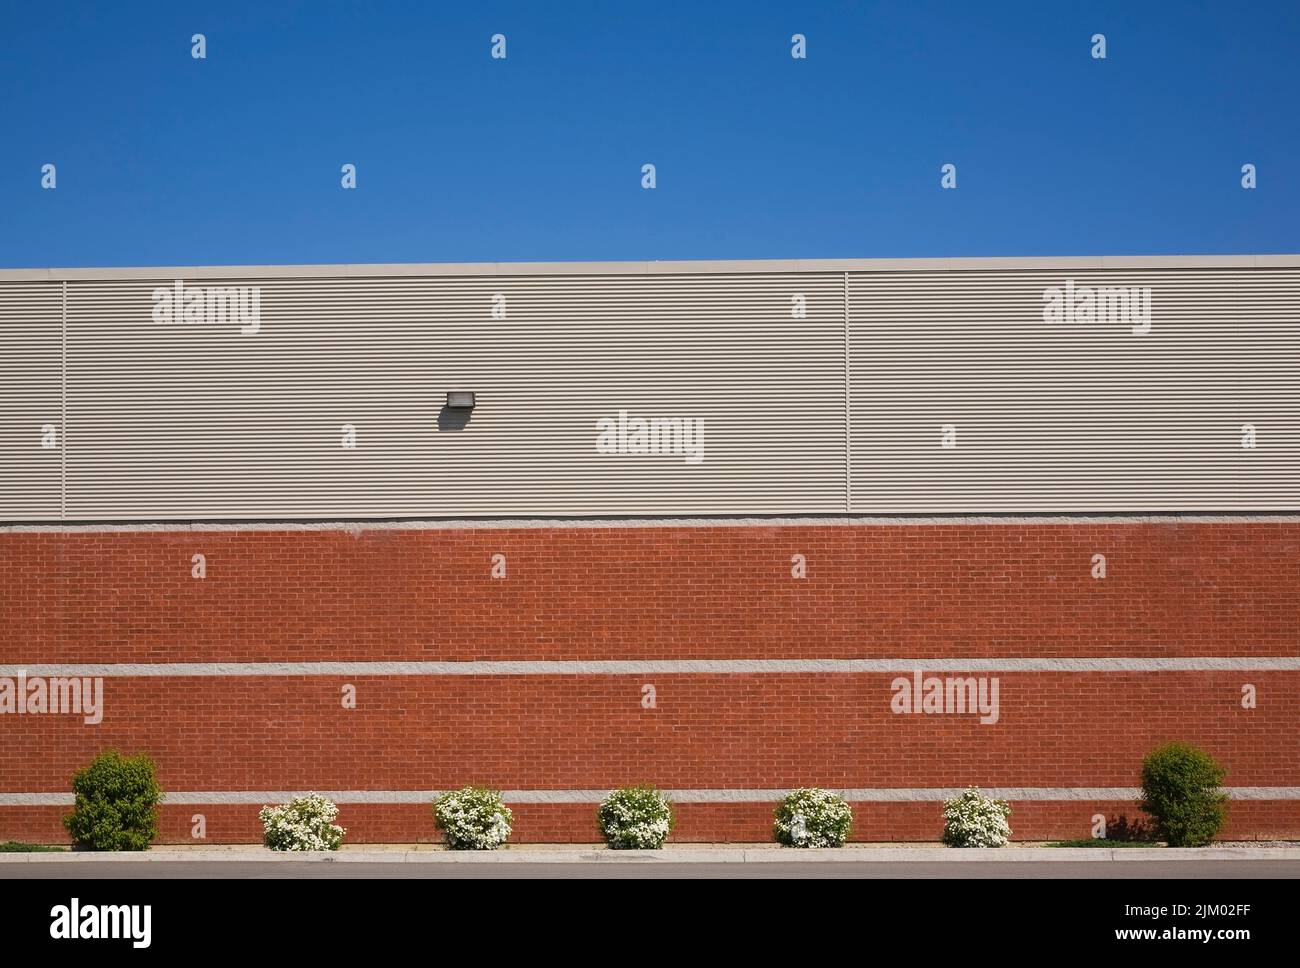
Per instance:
(670,855)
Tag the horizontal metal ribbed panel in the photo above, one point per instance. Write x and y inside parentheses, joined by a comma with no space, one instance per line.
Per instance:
(176,420)
(1074,415)
(31,389)
(195,420)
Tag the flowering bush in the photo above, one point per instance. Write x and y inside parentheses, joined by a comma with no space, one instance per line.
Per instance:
(635,818)
(304,823)
(974,820)
(473,818)
(813,818)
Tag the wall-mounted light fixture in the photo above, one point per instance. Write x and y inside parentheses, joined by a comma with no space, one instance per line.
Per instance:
(460,399)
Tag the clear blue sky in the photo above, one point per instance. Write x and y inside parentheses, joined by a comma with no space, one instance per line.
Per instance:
(167,160)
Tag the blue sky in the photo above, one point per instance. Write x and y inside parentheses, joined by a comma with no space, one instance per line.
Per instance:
(167,160)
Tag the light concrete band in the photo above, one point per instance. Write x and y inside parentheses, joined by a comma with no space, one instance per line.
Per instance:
(630,667)
(865,795)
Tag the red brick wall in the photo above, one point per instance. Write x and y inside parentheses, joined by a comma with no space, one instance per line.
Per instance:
(915,591)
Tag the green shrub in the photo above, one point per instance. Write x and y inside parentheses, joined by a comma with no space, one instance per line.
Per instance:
(116,803)
(635,818)
(18,847)
(812,817)
(1181,792)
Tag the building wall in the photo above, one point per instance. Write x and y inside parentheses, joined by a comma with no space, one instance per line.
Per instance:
(825,390)
(221,678)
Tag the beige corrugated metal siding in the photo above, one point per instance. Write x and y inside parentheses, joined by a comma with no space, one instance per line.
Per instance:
(172,421)
(1072,415)
(197,420)
(31,390)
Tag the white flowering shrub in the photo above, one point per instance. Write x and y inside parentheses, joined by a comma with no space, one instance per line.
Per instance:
(813,818)
(304,823)
(473,818)
(974,820)
(635,818)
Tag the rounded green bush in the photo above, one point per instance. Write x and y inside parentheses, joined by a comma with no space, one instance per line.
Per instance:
(115,803)
(812,817)
(1181,791)
(635,818)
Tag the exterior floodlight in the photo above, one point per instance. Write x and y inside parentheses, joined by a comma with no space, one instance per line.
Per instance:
(460,399)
